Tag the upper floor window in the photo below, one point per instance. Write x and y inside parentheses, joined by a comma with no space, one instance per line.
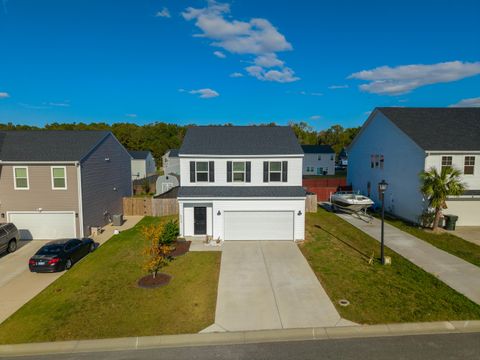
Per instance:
(202,171)
(331,157)
(20,175)
(446,161)
(238,171)
(377,161)
(275,171)
(469,167)
(59,178)
(319,157)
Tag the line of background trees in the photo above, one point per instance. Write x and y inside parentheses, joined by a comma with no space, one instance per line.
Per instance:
(159,137)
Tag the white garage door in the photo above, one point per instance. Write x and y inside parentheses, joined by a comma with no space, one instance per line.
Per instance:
(45,225)
(259,225)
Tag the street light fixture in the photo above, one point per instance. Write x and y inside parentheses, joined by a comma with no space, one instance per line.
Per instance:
(382,187)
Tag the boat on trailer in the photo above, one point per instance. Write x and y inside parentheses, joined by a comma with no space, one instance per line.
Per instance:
(348,200)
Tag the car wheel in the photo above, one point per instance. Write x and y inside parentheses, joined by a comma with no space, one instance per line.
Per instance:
(68,264)
(92,247)
(12,246)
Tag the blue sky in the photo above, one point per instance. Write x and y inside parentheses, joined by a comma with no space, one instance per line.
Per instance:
(240,61)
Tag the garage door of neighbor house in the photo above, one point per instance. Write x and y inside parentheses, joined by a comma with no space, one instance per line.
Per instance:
(44,225)
(259,225)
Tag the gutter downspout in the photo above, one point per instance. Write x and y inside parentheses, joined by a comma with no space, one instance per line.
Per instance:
(80,199)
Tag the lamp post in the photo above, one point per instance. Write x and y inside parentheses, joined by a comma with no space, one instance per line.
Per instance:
(382,187)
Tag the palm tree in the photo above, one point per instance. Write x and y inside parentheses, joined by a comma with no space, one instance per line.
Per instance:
(436,187)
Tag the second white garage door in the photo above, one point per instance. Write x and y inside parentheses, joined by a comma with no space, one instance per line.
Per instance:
(259,225)
(44,225)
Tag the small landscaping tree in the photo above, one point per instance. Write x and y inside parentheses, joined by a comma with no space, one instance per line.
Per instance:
(436,187)
(161,239)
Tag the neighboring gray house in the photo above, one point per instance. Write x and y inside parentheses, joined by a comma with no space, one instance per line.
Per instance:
(171,162)
(241,183)
(143,164)
(58,184)
(318,160)
(396,144)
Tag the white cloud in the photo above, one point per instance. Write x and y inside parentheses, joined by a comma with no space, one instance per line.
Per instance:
(65,103)
(4,95)
(334,87)
(386,80)
(256,37)
(205,93)
(131,115)
(315,117)
(219,54)
(165,13)
(471,102)
(236,75)
(283,75)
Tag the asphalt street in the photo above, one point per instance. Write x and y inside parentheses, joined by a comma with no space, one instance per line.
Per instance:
(425,347)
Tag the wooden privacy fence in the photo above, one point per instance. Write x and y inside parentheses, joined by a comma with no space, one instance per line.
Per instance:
(148,206)
(311,203)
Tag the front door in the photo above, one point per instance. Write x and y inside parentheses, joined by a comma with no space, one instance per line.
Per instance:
(200,220)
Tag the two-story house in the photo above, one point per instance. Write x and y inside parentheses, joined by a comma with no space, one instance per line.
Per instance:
(241,183)
(171,162)
(59,184)
(318,160)
(143,164)
(397,144)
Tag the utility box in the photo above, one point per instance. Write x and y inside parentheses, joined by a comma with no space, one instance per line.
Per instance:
(117,220)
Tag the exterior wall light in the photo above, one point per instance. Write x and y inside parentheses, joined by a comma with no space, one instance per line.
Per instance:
(299,213)
(219,213)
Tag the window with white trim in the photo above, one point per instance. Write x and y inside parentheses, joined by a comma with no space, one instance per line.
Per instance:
(59,178)
(446,161)
(275,171)
(469,165)
(238,171)
(201,171)
(20,175)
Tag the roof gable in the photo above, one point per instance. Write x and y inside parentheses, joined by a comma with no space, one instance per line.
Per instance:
(240,140)
(438,129)
(139,154)
(48,145)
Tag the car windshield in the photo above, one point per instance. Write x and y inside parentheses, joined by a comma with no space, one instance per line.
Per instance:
(50,249)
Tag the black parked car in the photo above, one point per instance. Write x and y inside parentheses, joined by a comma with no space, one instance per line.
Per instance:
(60,255)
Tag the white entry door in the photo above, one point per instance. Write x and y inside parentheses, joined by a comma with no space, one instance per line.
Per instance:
(259,225)
(44,225)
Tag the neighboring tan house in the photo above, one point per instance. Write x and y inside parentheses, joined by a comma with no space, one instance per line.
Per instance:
(171,162)
(241,183)
(59,184)
(143,164)
(318,160)
(397,144)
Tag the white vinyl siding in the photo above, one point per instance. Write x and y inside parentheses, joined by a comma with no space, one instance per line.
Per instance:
(20,178)
(259,225)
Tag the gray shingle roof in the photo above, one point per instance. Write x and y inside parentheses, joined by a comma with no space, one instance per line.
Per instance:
(240,140)
(139,154)
(443,129)
(46,145)
(241,191)
(173,153)
(317,149)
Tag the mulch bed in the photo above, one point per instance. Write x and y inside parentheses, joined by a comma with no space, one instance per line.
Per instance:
(149,281)
(181,248)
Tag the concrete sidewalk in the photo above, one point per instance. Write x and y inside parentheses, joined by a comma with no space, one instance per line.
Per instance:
(240,337)
(18,285)
(269,285)
(453,271)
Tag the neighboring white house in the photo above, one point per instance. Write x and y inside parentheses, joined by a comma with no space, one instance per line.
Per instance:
(143,164)
(171,162)
(396,144)
(318,160)
(241,183)
(343,158)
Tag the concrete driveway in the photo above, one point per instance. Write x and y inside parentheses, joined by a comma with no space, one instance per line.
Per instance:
(269,285)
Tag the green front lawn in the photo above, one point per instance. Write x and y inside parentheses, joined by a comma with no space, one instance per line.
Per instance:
(339,253)
(442,240)
(98,297)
